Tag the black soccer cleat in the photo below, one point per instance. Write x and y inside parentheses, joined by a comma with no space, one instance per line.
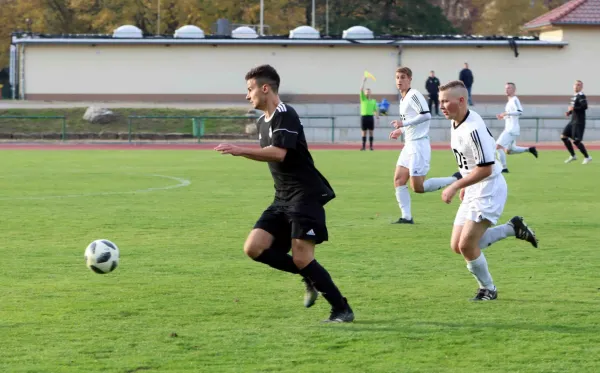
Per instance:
(505,170)
(485,294)
(522,231)
(404,221)
(311,294)
(457,175)
(533,151)
(344,315)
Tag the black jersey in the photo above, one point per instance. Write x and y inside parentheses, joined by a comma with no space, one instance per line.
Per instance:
(579,104)
(296,178)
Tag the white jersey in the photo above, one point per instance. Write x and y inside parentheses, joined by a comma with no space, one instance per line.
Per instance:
(473,145)
(411,106)
(513,110)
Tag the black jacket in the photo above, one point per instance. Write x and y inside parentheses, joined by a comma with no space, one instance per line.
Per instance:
(432,85)
(466,76)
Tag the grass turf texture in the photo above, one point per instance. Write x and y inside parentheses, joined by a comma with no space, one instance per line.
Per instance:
(183,271)
(76,123)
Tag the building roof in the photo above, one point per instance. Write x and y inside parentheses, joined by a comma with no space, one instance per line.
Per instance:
(386,40)
(575,12)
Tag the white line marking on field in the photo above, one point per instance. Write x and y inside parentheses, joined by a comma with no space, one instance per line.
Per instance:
(181,183)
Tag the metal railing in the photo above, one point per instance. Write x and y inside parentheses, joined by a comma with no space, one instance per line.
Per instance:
(63,131)
(198,122)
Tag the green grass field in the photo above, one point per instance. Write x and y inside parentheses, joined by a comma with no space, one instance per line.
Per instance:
(183,270)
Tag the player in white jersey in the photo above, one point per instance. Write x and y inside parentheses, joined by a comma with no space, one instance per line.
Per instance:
(483,190)
(413,162)
(507,141)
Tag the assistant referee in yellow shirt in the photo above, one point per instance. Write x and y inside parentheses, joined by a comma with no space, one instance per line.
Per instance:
(368,109)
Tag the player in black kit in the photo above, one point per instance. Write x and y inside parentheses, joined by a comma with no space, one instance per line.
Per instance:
(296,218)
(576,127)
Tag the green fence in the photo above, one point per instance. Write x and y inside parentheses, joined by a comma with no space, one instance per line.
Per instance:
(196,128)
(61,118)
(199,123)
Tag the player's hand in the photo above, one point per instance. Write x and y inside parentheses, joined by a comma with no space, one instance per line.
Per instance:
(395,133)
(571,108)
(449,193)
(229,149)
(397,124)
(462,194)
(567,113)
(500,116)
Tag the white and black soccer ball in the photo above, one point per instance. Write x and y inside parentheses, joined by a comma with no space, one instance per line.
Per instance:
(102,256)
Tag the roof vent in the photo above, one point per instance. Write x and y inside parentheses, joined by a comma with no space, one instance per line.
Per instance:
(244,32)
(357,32)
(128,32)
(304,32)
(189,32)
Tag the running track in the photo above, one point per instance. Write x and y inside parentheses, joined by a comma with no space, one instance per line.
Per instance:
(211,145)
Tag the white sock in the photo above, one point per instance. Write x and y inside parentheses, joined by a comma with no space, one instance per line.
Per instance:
(496,234)
(437,183)
(518,149)
(479,269)
(403,198)
(502,157)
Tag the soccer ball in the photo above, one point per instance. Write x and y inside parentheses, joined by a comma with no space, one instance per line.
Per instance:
(102,256)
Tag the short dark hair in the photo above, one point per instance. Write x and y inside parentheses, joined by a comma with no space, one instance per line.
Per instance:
(265,74)
(513,84)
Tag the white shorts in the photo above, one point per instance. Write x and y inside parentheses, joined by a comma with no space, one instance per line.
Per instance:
(416,156)
(507,139)
(483,201)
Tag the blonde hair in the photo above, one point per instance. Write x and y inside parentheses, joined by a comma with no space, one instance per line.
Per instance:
(404,70)
(452,84)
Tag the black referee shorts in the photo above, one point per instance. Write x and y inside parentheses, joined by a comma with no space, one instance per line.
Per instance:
(574,131)
(302,220)
(367,122)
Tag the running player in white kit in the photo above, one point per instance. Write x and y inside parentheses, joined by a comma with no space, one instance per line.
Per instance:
(414,159)
(483,189)
(507,141)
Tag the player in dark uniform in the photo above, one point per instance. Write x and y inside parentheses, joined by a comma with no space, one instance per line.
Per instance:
(296,218)
(574,130)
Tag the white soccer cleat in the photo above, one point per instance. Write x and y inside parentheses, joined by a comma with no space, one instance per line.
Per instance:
(571,159)
(586,160)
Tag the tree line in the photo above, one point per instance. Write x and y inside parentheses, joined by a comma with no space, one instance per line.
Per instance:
(392,17)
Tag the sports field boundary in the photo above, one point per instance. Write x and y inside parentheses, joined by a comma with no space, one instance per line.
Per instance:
(211,145)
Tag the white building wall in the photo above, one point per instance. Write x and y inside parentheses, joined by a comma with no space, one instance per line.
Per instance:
(115,71)
(118,69)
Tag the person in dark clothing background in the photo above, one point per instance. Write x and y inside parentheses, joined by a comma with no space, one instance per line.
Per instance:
(574,130)
(466,76)
(432,86)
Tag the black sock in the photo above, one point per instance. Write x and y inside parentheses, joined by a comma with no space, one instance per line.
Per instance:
(582,149)
(278,260)
(324,284)
(364,139)
(569,146)
(371,141)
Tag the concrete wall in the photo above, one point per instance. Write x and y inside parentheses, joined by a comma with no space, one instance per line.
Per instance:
(536,71)
(347,123)
(204,70)
(313,74)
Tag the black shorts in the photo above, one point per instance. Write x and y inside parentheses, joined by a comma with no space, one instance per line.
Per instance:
(367,122)
(302,220)
(574,131)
